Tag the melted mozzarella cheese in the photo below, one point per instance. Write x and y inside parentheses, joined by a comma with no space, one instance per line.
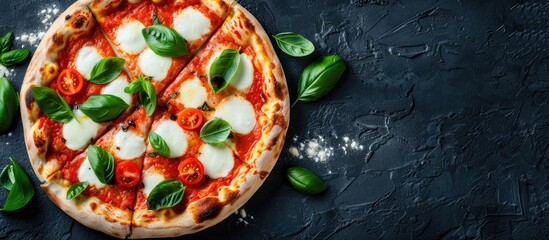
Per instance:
(245,74)
(86,59)
(174,136)
(128,145)
(218,160)
(86,174)
(78,134)
(116,88)
(153,65)
(192,93)
(191,24)
(129,37)
(238,112)
(150,180)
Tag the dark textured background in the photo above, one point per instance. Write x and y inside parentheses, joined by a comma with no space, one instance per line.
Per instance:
(449,99)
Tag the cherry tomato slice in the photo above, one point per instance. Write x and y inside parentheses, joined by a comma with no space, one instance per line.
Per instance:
(127,174)
(69,82)
(191,171)
(190,119)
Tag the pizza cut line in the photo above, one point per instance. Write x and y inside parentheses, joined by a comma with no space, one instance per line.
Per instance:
(117,171)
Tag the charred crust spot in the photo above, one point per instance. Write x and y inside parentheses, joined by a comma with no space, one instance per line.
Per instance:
(68,17)
(231,196)
(207,208)
(263,174)
(93,206)
(248,24)
(39,140)
(57,39)
(29,99)
(78,21)
(278,90)
(274,141)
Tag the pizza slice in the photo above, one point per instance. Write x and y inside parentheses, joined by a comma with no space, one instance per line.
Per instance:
(213,180)
(124,22)
(62,68)
(104,201)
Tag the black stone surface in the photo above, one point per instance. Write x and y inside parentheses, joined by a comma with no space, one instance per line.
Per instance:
(449,99)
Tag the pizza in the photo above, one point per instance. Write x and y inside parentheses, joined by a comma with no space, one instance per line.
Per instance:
(140,139)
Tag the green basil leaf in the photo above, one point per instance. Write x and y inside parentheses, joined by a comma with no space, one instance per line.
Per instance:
(305,181)
(52,104)
(5,43)
(13,57)
(7,177)
(165,41)
(320,77)
(21,191)
(294,44)
(148,97)
(155,19)
(104,107)
(206,108)
(134,86)
(160,146)
(102,163)
(215,131)
(106,70)
(9,103)
(223,69)
(76,189)
(167,193)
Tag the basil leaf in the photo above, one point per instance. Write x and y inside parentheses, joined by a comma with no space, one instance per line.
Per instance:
(104,107)
(134,86)
(294,44)
(102,163)
(167,193)
(319,78)
(215,131)
(21,191)
(106,70)
(155,19)
(52,104)
(76,189)
(148,97)
(223,69)
(206,108)
(13,57)
(160,146)
(305,181)
(5,43)
(165,41)
(7,178)
(9,103)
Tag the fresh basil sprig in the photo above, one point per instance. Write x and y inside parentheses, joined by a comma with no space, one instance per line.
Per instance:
(5,43)
(319,78)
(52,104)
(163,40)
(167,193)
(147,94)
(104,107)
(20,186)
(106,70)
(223,69)
(294,44)
(9,58)
(305,181)
(9,103)
(160,146)
(102,163)
(76,189)
(215,131)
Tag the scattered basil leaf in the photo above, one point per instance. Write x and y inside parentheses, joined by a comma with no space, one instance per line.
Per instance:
(13,57)
(5,43)
(167,193)
(294,44)
(134,86)
(52,104)
(106,70)
(305,181)
(223,69)
(102,163)
(7,178)
(9,103)
(319,78)
(174,95)
(215,131)
(21,191)
(165,41)
(148,97)
(76,189)
(104,107)
(156,19)
(160,146)
(206,108)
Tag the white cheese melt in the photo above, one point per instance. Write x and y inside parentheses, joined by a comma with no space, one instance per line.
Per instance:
(86,59)
(174,136)
(85,173)
(191,24)
(116,88)
(238,112)
(78,135)
(218,160)
(153,65)
(128,145)
(129,37)
(192,93)
(150,180)
(245,74)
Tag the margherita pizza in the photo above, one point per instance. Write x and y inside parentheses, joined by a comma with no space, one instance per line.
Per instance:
(154,118)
